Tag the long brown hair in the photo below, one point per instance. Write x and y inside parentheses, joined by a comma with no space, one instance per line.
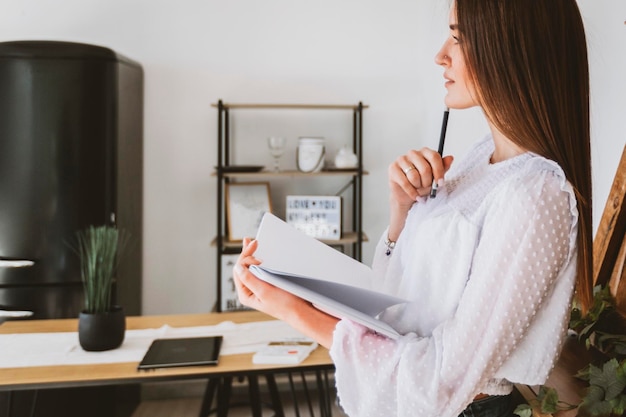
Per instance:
(528,60)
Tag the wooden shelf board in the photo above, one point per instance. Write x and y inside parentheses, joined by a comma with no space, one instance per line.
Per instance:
(290,173)
(346,238)
(289,106)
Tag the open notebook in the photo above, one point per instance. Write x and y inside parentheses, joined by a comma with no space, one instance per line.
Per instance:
(334,282)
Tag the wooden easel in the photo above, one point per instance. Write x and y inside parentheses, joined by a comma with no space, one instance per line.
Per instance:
(609,245)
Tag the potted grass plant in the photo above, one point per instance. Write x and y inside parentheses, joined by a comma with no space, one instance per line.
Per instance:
(101,325)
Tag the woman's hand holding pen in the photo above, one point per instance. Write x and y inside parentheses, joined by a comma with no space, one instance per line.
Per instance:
(411,175)
(410,180)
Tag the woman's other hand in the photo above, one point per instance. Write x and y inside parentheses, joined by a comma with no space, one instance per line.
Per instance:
(261,296)
(258,294)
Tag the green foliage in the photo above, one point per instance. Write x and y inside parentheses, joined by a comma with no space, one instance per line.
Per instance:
(523,410)
(606,395)
(98,249)
(612,344)
(602,328)
(586,325)
(547,401)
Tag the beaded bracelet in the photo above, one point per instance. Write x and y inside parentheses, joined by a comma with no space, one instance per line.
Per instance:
(390,245)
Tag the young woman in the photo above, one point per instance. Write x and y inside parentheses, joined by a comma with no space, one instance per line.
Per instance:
(490,265)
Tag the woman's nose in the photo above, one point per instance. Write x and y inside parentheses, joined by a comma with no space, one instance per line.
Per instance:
(441,58)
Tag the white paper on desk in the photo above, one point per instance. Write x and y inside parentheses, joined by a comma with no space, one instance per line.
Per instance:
(332,281)
(62,348)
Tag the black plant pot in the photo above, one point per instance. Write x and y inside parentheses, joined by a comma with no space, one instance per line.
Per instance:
(101,331)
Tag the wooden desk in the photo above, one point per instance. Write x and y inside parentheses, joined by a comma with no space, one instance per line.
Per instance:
(121,373)
(63,376)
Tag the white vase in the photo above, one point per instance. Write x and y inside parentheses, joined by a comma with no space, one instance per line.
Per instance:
(310,154)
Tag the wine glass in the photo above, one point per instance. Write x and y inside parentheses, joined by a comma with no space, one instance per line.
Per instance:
(277,149)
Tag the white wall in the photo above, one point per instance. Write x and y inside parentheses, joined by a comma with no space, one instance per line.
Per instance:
(195,52)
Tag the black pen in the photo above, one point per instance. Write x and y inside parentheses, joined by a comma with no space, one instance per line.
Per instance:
(442,139)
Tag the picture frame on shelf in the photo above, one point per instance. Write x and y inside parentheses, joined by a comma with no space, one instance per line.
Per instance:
(246,203)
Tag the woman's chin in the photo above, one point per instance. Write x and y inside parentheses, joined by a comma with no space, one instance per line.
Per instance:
(457,104)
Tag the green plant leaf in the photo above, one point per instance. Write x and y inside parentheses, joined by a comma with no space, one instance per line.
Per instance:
(548,399)
(610,344)
(98,249)
(523,410)
(608,379)
(602,327)
(619,405)
(594,394)
(598,409)
(594,405)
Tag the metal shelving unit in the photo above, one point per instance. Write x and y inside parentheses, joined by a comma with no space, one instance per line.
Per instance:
(353,238)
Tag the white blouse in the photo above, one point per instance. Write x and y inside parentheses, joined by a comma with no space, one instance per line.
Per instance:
(489,266)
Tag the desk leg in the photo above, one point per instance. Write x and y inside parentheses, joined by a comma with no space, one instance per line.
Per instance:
(324,393)
(34,403)
(207,400)
(9,403)
(277,405)
(307,395)
(294,397)
(255,395)
(223,396)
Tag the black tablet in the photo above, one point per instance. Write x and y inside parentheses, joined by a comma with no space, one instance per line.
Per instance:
(188,351)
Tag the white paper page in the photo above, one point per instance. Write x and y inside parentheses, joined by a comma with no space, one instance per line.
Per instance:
(329,305)
(283,248)
(368,302)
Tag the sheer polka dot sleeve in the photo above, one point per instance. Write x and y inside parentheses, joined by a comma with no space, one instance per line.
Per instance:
(517,280)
